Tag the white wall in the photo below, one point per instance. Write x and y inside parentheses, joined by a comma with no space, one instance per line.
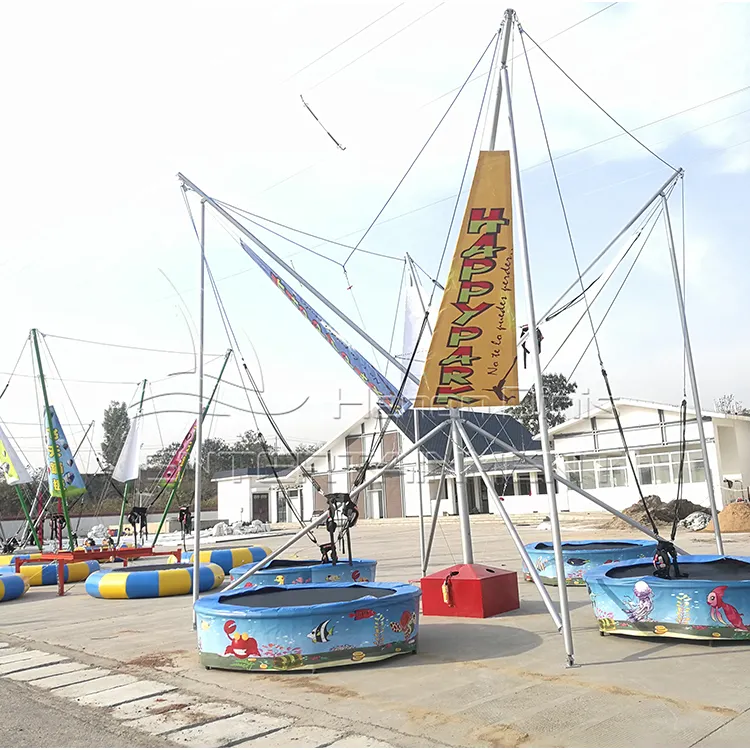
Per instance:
(233,499)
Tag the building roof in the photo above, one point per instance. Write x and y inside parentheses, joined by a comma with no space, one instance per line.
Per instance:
(604,406)
(503,426)
(253,471)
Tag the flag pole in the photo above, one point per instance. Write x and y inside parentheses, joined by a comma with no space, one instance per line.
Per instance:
(199,426)
(62,503)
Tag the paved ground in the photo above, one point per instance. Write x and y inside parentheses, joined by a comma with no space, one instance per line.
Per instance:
(492,683)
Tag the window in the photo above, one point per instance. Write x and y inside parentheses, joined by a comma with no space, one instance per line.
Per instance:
(524,484)
(664,468)
(541,484)
(595,472)
(504,485)
(281,506)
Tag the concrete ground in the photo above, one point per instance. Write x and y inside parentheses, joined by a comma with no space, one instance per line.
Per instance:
(499,682)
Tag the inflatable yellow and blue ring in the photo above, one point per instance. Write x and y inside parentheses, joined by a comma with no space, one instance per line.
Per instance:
(12,586)
(11,559)
(45,574)
(152,581)
(228,557)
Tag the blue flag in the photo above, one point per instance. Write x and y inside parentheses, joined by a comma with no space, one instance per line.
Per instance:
(58,451)
(385,391)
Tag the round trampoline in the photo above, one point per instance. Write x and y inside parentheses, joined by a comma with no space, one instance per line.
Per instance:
(46,574)
(12,586)
(152,581)
(712,603)
(584,555)
(228,557)
(307,626)
(295,572)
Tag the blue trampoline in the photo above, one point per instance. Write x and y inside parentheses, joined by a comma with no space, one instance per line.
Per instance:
(295,572)
(582,556)
(307,626)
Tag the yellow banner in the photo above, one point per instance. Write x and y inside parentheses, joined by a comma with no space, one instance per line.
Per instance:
(472,361)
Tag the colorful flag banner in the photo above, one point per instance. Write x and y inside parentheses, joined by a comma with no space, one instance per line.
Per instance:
(473,360)
(385,391)
(127,467)
(174,468)
(58,451)
(11,467)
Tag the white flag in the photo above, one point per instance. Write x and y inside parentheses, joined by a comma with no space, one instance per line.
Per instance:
(127,467)
(413,318)
(10,466)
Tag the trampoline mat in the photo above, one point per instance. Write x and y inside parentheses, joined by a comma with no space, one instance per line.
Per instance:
(163,566)
(278,563)
(719,570)
(304,597)
(588,545)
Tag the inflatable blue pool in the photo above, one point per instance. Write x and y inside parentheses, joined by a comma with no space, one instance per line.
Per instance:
(12,586)
(307,626)
(712,603)
(227,557)
(584,555)
(45,574)
(294,572)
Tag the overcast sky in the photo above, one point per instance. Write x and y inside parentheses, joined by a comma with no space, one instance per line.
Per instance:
(104,103)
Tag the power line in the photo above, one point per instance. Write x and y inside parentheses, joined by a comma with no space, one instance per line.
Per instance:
(379,44)
(122,346)
(341,44)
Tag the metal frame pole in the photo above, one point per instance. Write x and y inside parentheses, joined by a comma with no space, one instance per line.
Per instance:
(461,500)
(321,518)
(693,379)
(544,434)
(393,360)
(436,512)
(199,425)
(506,28)
(492,493)
(422,547)
(619,235)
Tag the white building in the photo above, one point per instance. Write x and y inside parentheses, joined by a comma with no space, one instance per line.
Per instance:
(588,451)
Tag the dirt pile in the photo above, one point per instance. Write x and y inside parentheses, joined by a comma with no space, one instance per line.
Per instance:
(735,517)
(662,513)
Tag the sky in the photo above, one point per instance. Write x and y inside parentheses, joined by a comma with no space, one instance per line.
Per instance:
(105,103)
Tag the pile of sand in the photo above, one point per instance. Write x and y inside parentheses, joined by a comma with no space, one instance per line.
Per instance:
(735,517)
(662,513)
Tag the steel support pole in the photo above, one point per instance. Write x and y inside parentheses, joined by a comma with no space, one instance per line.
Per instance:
(693,378)
(199,423)
(461,501)
(506,29)
(539,382)
(238,225)
(500,508)
(436,511)
(422,547)
(321,518)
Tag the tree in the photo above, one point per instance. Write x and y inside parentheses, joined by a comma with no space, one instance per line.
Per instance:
(116,425)
(557,392)
(728,404)
(162,457)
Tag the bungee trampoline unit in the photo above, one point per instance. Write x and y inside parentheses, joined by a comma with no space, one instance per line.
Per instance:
(295,572)
(307,626)
(152,581)
(707,597)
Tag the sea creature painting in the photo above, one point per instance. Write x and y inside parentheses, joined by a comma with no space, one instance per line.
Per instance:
(333,578)
(362,614)
(279,580)
(406,624)
(540,564)
(289,661)
(241,645)
(322,633)
(641,608)
(683,608)
(718,606)
(576,561)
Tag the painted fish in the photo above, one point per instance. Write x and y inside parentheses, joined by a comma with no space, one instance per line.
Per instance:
(362,614)
(333,578)
(279,580)
(576,561)
(717,605)
(355,575)
(540,563)
(322,633)
(290,661)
